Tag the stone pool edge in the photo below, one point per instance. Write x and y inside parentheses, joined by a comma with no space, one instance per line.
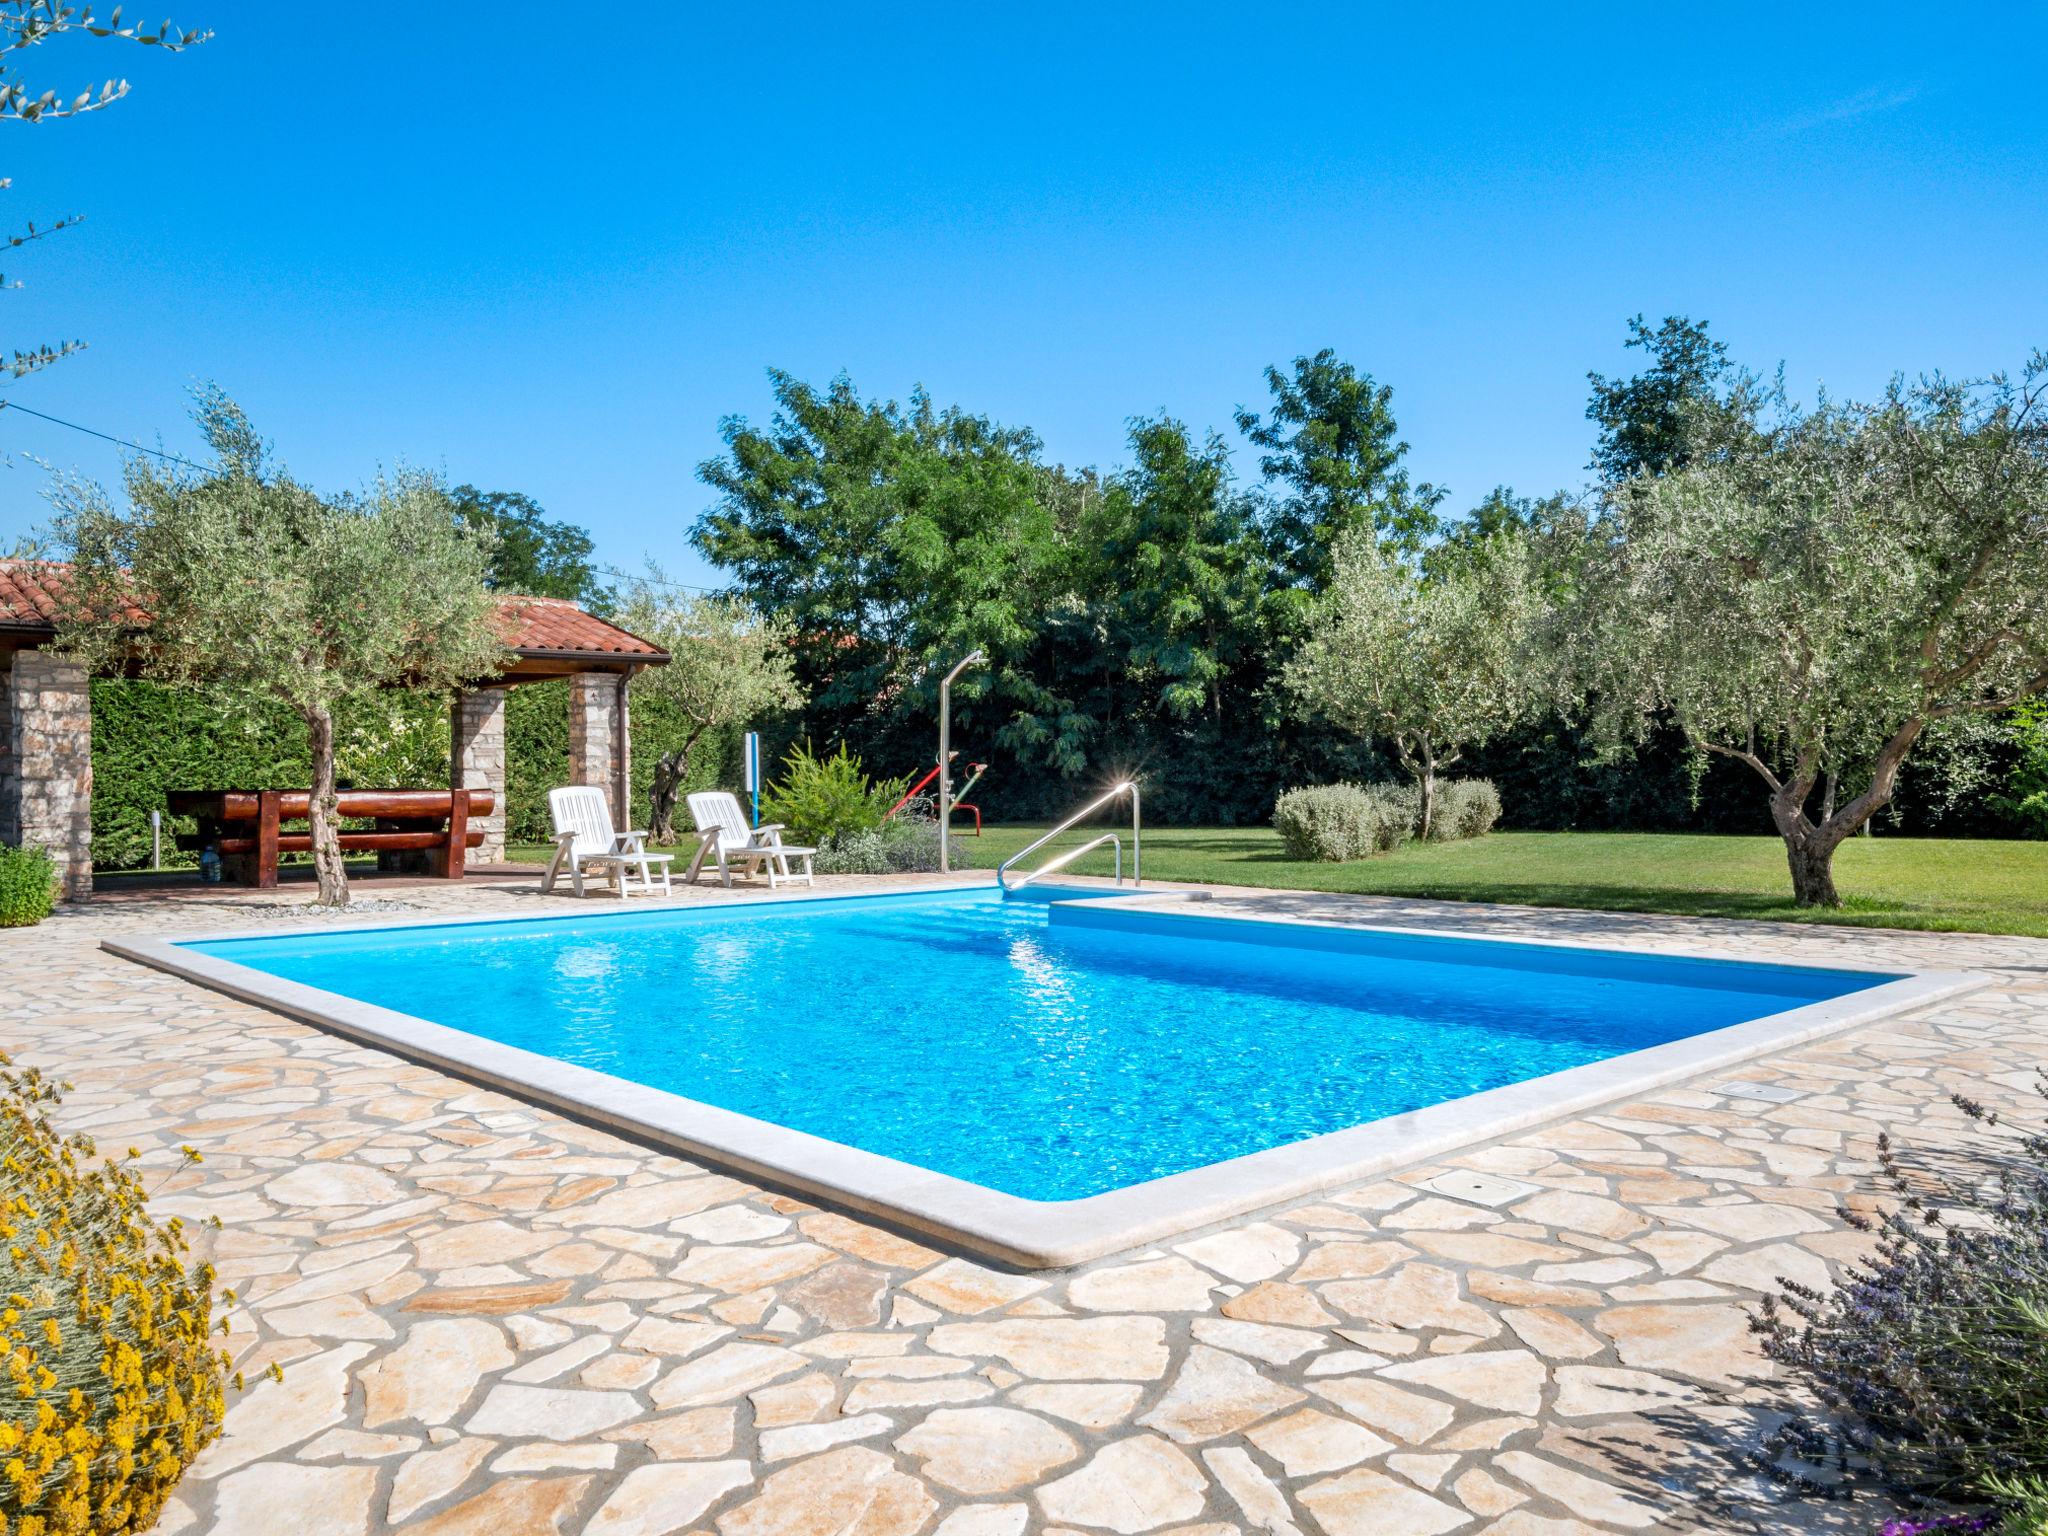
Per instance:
(1026,1233)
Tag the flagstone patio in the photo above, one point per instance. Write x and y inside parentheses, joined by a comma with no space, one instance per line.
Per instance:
(495,1320)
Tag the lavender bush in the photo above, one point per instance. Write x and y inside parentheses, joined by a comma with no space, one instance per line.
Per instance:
(1932,1357)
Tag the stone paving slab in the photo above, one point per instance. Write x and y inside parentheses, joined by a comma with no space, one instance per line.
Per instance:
(495,1320)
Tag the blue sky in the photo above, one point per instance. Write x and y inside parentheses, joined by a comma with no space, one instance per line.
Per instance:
(549,257)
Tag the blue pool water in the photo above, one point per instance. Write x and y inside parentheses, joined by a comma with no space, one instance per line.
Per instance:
(1050,1051)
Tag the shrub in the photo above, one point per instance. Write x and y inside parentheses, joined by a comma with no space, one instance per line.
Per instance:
(1338,822)
(903,845)
(1464,808)
(1933,1355)
(823,799)
(28,886)
(114,1381)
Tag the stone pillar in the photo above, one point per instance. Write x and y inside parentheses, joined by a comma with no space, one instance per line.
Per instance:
(476,760)
(46,763)
(597,738)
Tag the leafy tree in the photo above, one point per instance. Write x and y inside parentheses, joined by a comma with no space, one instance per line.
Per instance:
(729,665)
(1646,425)
(1430,658)
(254,585)
(531,555)
(1330,439)
(1175,547)
(23,25)
(1820,588)
(892,540)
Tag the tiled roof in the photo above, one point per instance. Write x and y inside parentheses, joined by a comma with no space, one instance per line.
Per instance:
(554,624)
(28,593)
(31,590)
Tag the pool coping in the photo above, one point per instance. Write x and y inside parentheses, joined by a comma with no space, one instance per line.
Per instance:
(1032,1234)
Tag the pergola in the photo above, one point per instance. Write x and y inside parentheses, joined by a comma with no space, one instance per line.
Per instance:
(46,716)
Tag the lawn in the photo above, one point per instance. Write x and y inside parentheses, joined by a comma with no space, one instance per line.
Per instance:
(1950,885)
(1941,884)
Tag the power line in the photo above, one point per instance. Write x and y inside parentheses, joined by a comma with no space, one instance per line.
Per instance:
(653,581)
(105,437)
(122,442)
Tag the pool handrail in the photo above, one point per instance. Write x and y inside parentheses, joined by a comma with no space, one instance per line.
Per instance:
(1127,787)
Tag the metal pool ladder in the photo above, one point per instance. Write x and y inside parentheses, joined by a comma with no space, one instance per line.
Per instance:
(1128,787)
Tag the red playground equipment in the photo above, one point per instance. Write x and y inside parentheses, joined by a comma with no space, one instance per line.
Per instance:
(976,770)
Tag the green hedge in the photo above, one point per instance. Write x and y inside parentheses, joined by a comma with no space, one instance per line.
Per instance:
(148,740)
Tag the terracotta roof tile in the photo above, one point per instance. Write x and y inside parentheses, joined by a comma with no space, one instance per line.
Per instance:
(554,624)
(31,591)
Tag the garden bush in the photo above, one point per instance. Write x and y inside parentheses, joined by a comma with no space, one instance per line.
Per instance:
(28,886)
(1932,1356)
(115,1382)
(1334,823)
(1464,808)
(903,845)
(822,800)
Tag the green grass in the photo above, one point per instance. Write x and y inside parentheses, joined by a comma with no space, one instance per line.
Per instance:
(1941,884)
(1949,885)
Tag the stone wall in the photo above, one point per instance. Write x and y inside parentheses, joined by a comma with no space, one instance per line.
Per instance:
(46,762)
(477,761)
(598,738)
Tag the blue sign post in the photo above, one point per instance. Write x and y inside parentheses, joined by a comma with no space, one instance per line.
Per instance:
(752,771)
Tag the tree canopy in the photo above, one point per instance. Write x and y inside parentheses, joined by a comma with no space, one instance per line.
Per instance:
(1817,588)
(1430,657)
(258,588)
(1649,421)
(1334,454)
(728,666)
(530,554)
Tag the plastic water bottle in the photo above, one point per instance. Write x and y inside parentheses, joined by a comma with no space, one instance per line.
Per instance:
(209,866)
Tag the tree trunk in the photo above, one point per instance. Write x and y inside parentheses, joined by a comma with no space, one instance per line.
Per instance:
(671,773)
(1809,845)
(1425,783)
(327,865)
(1813,872)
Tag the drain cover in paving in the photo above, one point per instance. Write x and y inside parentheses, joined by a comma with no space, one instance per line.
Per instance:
(1479,1188)
(1767,1093)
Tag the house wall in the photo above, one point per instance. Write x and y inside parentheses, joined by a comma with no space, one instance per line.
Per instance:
(46,762)
(476,758)
(598,738)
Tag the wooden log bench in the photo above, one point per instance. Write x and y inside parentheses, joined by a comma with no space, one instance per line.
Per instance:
(245,827)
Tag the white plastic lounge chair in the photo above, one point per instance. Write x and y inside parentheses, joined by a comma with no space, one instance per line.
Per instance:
(585,841)
(724,834)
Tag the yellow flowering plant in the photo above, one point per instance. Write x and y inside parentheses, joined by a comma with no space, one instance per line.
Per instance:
(113,1379)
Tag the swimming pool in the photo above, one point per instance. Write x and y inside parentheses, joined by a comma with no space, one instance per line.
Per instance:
(1051,1053)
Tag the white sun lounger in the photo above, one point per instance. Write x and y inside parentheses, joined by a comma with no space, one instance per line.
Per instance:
(723,834)
(585,841)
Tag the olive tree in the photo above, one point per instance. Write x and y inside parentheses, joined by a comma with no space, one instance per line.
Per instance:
(729,665)
(242,580)
(1425,654)
(1817,589)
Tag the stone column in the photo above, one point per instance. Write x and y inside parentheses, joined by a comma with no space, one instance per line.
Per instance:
(476,760)
(46,763)
(597,738)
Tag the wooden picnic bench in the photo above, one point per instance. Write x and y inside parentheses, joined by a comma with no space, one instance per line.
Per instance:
(246,826)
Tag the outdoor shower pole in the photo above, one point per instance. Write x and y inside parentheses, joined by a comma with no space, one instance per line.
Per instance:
(946,757)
